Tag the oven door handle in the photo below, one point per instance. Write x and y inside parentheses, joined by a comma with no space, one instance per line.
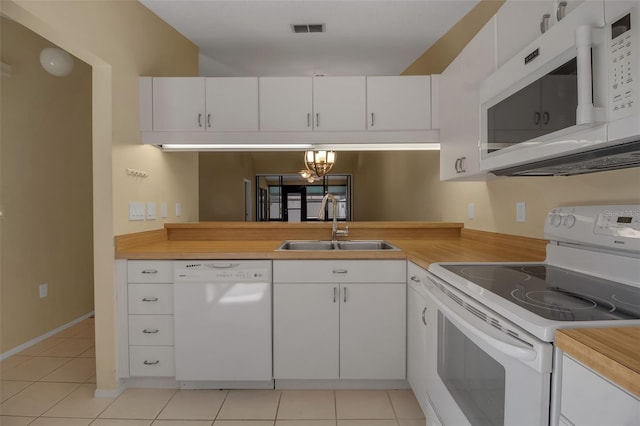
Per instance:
(485,332)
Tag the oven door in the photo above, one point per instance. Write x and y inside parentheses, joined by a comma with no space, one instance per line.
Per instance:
(478,373)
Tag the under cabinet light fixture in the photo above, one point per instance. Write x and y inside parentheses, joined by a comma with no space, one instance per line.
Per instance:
(235,147)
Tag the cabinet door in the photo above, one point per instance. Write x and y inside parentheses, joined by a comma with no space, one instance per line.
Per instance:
(305,331)
(519,25)
(339,103)
(373,331)
(179,104)
(286,104)
(417,345)
(232,104)
(399,103)
(459,105)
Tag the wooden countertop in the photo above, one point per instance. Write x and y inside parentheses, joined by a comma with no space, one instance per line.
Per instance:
(612,352)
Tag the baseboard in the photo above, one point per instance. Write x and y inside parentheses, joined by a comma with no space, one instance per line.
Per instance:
(341,384)
(111,393)
(39,339)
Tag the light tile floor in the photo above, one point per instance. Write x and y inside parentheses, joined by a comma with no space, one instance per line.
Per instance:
(53,383)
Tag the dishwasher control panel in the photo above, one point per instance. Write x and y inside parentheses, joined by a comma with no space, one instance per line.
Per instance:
(222,271)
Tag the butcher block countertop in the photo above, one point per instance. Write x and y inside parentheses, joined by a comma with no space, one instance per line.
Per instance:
(612,352)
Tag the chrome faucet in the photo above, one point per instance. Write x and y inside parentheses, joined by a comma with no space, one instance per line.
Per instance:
(334,227)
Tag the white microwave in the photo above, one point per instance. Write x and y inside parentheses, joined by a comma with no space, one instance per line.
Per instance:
(569,102)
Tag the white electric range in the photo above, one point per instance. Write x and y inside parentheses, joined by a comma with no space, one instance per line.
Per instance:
(495,322)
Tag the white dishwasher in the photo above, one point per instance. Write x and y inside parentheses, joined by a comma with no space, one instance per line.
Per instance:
(222,315)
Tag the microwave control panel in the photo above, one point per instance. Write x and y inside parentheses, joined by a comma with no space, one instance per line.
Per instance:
(622,66)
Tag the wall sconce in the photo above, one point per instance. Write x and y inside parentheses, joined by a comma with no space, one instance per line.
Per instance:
(56,61)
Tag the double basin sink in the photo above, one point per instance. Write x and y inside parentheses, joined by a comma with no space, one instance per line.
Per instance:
(322,245)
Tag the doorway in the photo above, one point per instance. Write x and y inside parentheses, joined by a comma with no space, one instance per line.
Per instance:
(294,206)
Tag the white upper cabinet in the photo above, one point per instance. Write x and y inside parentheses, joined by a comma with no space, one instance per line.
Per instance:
(399,103)
(232,104)
(459,106)
(198,104)
(179,104)
(339,103)
(286,104)
(519,23)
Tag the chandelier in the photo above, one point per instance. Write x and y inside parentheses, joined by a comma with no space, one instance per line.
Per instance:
(318,164)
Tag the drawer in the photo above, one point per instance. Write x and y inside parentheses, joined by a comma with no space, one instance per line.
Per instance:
(589,399)
(150,299)
(151,361)
(151,330)
(340,271)
(150,271)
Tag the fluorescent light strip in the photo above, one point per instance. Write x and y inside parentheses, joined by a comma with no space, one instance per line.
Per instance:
(379,147)
(234,147)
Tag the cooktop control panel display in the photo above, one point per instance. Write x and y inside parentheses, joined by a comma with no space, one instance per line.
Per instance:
(611,226)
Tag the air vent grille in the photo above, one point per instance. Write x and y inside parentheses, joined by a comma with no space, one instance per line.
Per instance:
(308,28)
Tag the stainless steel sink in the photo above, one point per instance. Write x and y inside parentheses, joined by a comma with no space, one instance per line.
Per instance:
(319,245)
(365,245)
(307,245)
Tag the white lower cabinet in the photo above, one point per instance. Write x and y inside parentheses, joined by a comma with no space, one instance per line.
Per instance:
(150,318)
(417,334)
(589,399)
(351,326)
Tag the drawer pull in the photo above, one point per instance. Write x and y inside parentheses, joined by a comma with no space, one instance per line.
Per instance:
(424,313)
(150,299)
(150,331)
(156,362)
(150,271)
(340,271)
(415,279)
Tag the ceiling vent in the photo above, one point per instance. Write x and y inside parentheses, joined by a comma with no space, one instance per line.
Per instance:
(308,28)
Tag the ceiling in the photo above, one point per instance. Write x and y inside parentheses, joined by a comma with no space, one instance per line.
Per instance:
(363,37)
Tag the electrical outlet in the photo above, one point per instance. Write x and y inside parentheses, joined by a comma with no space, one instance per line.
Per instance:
(470,210)
(151,211)
(43,290)
(178,209)
(521,212)
(163,210)
(137,211)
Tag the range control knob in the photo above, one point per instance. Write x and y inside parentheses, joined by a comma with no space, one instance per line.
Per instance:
(569,221)
(555,220)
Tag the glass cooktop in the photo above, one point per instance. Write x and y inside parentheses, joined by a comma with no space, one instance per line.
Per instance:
(555,293)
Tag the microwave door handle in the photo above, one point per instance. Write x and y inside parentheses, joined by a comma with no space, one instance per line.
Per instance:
(484,332)
(585,112)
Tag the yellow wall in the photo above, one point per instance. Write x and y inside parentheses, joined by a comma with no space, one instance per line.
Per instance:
(45,189)
(121,40)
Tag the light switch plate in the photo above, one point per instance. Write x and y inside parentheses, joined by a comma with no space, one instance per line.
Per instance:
(178,209)
(163,210)
(43,290)
(521,212)
(137,210)
(470,210)
(151,211)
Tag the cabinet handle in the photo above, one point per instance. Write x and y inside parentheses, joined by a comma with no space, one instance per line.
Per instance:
(424,313)
(340,271)
(156,362)
(150,331)
(545,118)
(536,118)
(208,120)
(150,299)
(561,11)
(317,119)
(544,24)
(345,295)
(462,169)
(335,294)
(199,120)
(150,271)
(373,121)
(415,279)
(308,119)
(457,165)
